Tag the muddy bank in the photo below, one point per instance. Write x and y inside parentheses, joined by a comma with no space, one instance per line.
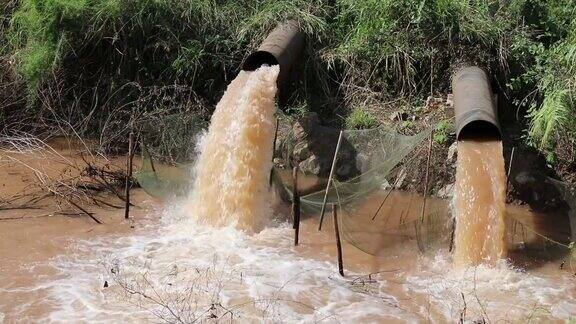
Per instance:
(530,180)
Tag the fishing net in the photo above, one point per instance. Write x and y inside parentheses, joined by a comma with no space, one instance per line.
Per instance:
(171,139)
(374,215)
(370,166)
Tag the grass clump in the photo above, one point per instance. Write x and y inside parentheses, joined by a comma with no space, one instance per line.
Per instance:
(359,118)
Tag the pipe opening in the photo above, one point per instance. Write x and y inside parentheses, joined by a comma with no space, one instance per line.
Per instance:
(257,59)
(479,129)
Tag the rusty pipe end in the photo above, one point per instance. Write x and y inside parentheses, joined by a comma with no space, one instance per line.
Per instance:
(257,59)
(283,46)
(474,108)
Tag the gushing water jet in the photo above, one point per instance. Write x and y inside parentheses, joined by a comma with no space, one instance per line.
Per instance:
(232,171)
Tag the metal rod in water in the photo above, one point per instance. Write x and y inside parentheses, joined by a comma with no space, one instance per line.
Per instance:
(330,180)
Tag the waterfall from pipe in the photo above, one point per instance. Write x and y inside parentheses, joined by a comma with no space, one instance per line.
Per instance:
(231,175)
(479,201)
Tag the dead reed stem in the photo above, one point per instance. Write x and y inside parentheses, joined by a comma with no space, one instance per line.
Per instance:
(85,211)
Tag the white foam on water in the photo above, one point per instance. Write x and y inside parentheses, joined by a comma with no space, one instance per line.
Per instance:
(262,278)
(233,167)
(495,293)
(261,272)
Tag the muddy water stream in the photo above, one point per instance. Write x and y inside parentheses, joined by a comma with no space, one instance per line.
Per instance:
(54,269)
(36,228)
(236,154)
(479,203)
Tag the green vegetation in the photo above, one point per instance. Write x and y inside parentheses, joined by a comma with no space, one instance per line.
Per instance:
(557,85)
(442,131)
(297,110)
(360,119)
(93,65)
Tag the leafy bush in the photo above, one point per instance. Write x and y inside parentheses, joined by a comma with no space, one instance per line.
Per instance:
(557,85)
(442,131)
(94,65)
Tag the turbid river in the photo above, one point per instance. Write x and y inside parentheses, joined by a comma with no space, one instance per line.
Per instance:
(171,267)
(226,254)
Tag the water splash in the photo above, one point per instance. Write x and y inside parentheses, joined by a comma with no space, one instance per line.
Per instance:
(495,293)
(231,184)
(479,201)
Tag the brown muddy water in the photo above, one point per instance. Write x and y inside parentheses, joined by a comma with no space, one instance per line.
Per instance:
(171,267)
(32,235)
(480,203)
(236,154)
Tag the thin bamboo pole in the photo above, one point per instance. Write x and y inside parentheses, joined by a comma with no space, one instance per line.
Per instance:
(274,150)
(386,197)
(329,180)
(509,169)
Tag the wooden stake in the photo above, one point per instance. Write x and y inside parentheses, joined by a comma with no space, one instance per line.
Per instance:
(296,205)
(329,180)
(129,158)
(274,150)
(452,233)
(275,135)
(338,243)
(426,181)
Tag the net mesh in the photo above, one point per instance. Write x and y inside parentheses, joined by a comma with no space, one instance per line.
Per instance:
(374,216)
